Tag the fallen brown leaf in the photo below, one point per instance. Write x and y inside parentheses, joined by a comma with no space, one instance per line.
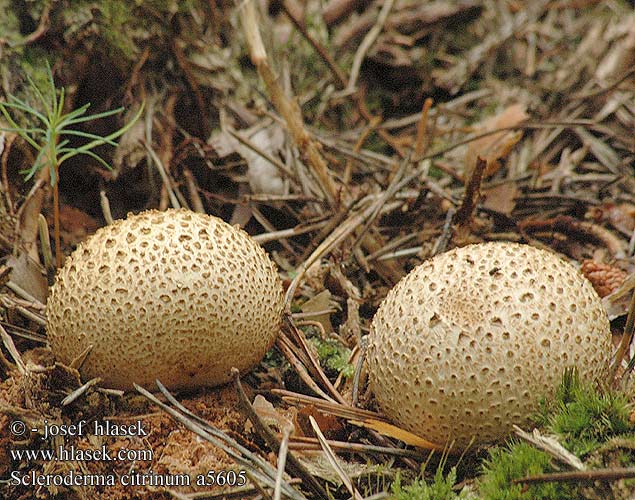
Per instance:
(497,146)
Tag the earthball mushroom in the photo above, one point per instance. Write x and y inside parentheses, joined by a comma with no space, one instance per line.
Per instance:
(177,296)
(466,344)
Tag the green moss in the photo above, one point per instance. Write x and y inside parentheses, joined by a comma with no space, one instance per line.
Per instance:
(34,62)
(440,488)
(9,23)
(589,420)
(435,173)
(308,66)
(583,417)
(516,461)
(111,25)
(119,27)
(274,359)
(116,15)
(334,356)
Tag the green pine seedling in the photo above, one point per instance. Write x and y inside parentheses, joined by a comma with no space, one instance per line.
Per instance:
(50,135)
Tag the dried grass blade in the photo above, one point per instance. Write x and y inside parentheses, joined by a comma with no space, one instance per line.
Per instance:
(15,354)
(330,456)
(294,466)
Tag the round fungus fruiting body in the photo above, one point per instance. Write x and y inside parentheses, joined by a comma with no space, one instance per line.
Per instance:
(177,296)
(466,344)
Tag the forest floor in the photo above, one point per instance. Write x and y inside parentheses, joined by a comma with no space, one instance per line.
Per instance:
(353,140)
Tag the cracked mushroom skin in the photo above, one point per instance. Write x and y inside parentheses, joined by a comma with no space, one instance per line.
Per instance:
(177,296)
(466,344)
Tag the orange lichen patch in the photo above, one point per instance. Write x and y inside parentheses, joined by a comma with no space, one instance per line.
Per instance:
(466,344)
(605,278)
(177,296)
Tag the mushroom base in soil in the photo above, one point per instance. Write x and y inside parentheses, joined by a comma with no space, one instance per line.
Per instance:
(465,345)
(177,296)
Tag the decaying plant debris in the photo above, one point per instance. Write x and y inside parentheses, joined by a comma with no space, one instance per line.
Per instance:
(353,139)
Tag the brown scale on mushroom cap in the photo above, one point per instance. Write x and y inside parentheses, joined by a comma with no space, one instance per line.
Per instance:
(177,296)
(466,344)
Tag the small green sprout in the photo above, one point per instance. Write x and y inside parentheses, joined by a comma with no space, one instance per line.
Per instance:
(49,139)
(50,136)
